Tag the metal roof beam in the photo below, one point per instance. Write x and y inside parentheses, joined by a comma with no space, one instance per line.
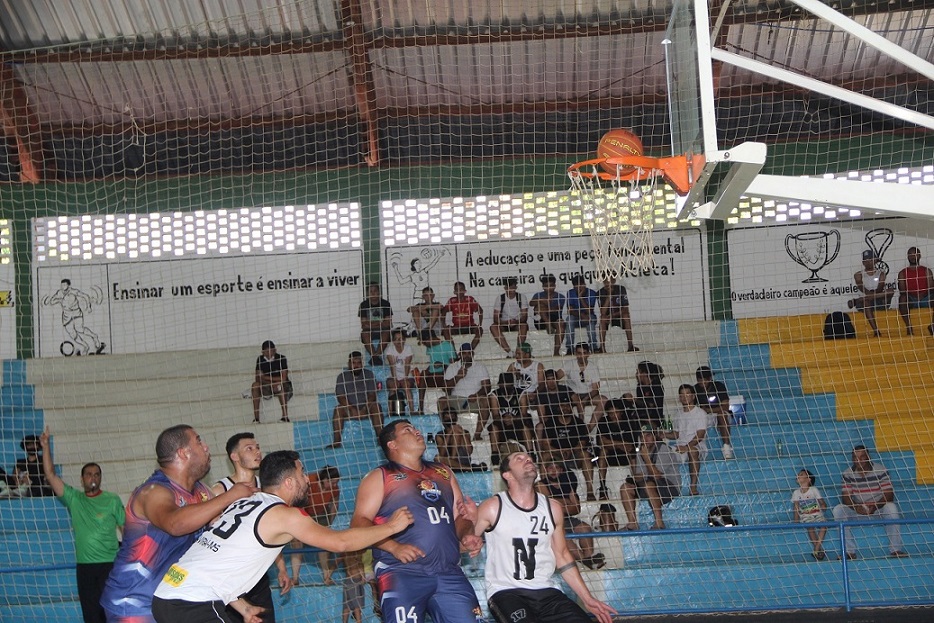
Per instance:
(18,121)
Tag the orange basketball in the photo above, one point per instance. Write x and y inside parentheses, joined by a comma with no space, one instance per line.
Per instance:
(616,143)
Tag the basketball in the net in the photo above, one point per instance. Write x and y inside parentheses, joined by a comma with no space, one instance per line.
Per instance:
(617,143)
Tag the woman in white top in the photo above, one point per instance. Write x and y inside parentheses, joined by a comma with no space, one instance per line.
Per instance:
(398,356)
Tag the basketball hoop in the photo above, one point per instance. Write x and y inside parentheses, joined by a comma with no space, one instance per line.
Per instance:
(619,208)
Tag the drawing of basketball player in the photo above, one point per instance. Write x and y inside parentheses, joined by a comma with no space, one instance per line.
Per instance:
(75,304)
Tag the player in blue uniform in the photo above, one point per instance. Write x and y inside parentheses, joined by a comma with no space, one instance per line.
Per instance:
(164,516)
(418,570)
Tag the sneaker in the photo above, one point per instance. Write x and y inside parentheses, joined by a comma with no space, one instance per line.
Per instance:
(727,451)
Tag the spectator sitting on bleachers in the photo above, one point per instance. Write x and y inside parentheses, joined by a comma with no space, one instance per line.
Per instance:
(582,377)
(650,394)
(915,286)
(867,493)
(528,375)
(713,397)
(614,312)
(808,506)
(550,401)
(510,314)
(440,354)
(690,431)
(870,281)
(582,304)
(548,310)
(509,420)
(561,485)
(426,314)
(356,398)
(398,356)
(466,315)
(469,387)
(616,437)
(656,477)
(323,500)
(375,315)
(454,445)
(13,485)
(31,464)
(271,378)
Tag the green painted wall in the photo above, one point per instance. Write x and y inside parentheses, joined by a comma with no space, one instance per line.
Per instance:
(369,186)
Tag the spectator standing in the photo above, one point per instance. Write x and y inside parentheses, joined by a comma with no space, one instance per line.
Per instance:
(867,493)
(31,465)
(616,438)
(690,433)
(656,477)
(418,570)
(323,498)
(466,315)
(243,542)
(509,419)
(650,393)
(398,356)
(809,506)
(870,281)
(353,586)
(614,312)
(510,314)
(713,397)
(271,378)
(469,387)
(375,315)
(915,284)
(526,546)
(582,377)
(165,515)
(548,310)
(245,455)
(356,398)
(561,485)
(97,517)
(582,305)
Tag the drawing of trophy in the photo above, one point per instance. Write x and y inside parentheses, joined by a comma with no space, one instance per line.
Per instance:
(811,249)
(879,240)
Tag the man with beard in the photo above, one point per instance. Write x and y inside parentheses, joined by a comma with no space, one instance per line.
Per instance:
(245,456)
(164,516)
(915,283)
(228,559)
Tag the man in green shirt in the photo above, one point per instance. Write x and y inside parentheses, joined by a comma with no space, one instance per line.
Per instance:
(96,518)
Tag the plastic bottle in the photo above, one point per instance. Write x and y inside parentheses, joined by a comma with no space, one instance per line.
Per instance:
(779,447)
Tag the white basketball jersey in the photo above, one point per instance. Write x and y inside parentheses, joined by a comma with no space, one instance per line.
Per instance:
(526,377)
(226,560)
(519,552)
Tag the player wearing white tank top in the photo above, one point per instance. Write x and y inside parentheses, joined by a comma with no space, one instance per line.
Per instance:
(525,547)
(230,557)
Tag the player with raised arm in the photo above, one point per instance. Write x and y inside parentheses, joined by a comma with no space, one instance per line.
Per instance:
(164,516)
(418,570)
(525,548)
(241,545)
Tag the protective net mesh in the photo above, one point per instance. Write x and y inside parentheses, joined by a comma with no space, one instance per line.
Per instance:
(180,185)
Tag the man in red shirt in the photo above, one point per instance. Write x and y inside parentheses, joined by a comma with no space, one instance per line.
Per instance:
(466,315)
(915,283)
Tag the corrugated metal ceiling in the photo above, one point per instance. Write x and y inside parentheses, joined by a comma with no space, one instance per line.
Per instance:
(89,64)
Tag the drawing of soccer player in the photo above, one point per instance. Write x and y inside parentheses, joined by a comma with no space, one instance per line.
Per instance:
(75,305)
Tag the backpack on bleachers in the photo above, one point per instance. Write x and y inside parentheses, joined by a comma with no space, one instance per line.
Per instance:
(838,326)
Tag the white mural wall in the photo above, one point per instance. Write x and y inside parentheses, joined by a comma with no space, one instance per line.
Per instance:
(809,268)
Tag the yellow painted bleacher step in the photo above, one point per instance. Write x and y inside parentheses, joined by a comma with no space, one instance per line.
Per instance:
(868,378)
(906,402)
(903,434)
(810,327)
(840,352)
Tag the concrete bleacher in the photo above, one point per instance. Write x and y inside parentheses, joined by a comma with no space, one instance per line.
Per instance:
(111,408)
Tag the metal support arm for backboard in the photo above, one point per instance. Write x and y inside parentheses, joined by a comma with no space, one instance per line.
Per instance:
(913,200)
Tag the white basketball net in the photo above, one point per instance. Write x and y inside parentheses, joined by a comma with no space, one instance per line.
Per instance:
(619,216)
